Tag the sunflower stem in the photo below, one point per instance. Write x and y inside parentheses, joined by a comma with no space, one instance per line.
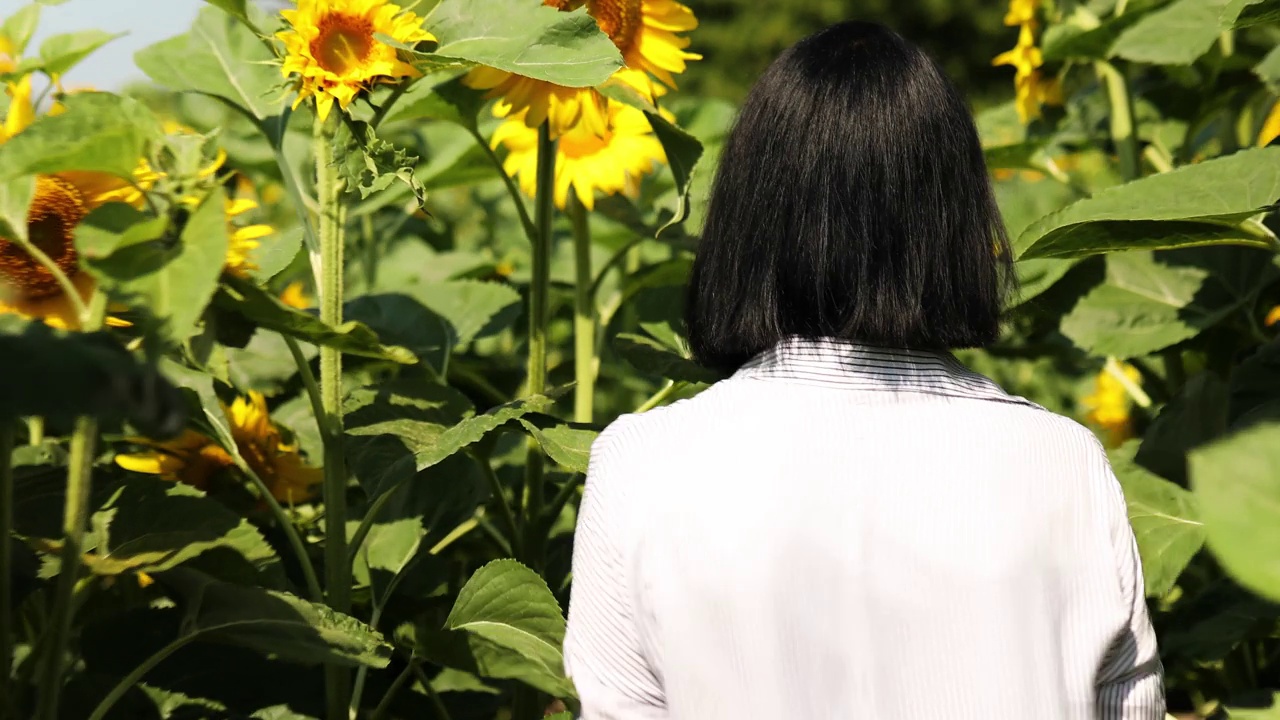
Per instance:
(75,516)
(329,187)
(531,544)
(6,559)
(286,525)
(1122,131)
(35,430)
(585,361)
(64,282)
(530,230)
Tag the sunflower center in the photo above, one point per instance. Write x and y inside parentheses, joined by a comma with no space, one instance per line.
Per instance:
(619,19)
(344,42)
(55,211)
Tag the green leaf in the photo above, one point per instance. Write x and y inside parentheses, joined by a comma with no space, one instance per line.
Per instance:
(62,375)
(20,26)
(569,444)
(1037,276)
(1255,383)
(276,624)
(1261,708)
(115,225)
(473,308)
(529,39)
(62,52)
(1257,13)
(510,606)
(1177,34)
(1268,69)
(1092,238)
(1237,482)
(1207,626)
(683,152)
(1151,301)
(1067,41)
(440,97)
(403,321)
(1195,416)
(238,9)
(1165,521)
(1244,183)
(276,253)
(15,200)
(651,357)
(219,57)
(172,281)
(373,164)
(255,304)
(98,132)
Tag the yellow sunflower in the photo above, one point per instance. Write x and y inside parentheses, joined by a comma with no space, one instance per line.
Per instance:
(1270,127)
(196,459)
(60,202)
(242,240)
(1108,406)
(1032,89)
(612,163)
(646,32)
(331,48)
(295,296)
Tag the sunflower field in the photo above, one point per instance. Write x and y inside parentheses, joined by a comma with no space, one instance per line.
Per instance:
(303,347)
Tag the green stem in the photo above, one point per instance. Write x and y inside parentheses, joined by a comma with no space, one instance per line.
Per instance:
(385,706)
(64,282)
(662,395)
(35,430)
(308,381)
(369,243)
(425,681)
(1159,159)
(584,316)
(537,372)
(1122,130)
(6,557)
(329,186)
(504,507)
(286,526)
(135,677)
(381,113)
(74,518)
(530,230)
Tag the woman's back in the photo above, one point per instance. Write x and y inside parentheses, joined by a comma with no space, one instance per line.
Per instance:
(842,532)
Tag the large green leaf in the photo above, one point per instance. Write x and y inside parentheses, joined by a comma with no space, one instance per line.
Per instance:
(151,525)
(569,444)
(527,39)
(1255,384)
(683,152)
(1069,41)
(650,356)
(98,132)
(259,306)
(242,10)
(276,624)
(439,97)
(1252,12)
(1244,183)
(61,375)
(61,52)
(473,308)
(1237,482)
(221,57)
(1151,301)
(1177,34)
(1165,522)
(1207,625)
(1195,416)
(15,200)
(510,606)
(403,321)
(20,26)
(172,281)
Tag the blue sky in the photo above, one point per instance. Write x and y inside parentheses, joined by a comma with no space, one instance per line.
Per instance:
(112,66)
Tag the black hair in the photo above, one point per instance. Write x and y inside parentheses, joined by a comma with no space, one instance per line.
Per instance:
(852,201)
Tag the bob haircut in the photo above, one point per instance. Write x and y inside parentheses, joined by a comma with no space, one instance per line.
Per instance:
(852,201)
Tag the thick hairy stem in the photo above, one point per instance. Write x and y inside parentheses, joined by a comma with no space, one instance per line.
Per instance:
(585,361)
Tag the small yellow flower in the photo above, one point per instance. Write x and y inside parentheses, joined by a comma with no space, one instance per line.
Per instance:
(195,459)
(612,163)
(1273,317)
(332,50)
(295,296)
(242,240)
(145,580)
(646,32)
(1270,127)
(1108,407)
(1021,12)
(1032,89)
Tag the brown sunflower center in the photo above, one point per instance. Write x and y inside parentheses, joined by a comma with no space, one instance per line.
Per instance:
(344,42)
(563,5)
(55,211)
(619,19)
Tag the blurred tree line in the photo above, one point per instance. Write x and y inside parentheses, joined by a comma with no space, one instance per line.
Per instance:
(739,38)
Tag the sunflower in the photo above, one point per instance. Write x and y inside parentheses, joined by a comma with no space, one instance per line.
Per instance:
(196,459)
(61,201)
(1270,126)
(646,32)
(1107,407)
(242,240)
(1031,88)
(295,296)
(331,48)
(612,163)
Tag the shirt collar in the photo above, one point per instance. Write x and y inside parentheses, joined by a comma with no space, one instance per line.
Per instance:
(848,365)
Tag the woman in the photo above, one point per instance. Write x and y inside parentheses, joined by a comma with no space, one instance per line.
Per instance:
(853,525)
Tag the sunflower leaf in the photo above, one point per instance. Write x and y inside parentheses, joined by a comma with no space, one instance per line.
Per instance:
(98,132)
(529,39)
(15,199)
(375,163)
(683,152)
(62,52)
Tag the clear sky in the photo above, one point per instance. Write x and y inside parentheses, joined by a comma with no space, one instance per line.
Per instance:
(146,21)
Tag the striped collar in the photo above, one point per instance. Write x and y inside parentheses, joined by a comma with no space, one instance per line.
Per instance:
(831,362)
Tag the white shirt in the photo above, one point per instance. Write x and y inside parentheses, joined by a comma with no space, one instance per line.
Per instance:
(845,532)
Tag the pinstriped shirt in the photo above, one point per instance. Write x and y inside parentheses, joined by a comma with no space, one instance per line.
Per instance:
(840,531)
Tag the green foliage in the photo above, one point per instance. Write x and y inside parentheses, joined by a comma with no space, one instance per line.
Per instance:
(99,132)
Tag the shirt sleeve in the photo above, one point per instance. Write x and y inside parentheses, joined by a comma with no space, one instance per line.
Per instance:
(602,651)
(1130,683)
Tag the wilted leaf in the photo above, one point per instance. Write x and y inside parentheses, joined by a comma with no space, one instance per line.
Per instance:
(373,164)
(1237,483)
(529,39)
